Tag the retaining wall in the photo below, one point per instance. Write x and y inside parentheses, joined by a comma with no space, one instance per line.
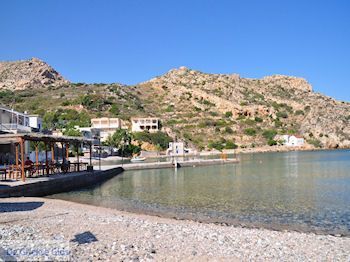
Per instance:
(61,183)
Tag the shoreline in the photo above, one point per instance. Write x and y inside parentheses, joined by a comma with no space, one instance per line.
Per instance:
(257,150)
(204,219)
(129,236)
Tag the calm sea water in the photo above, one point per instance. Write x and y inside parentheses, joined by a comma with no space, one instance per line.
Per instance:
(304,191)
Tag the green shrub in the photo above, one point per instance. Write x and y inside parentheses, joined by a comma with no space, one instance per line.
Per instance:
(272,142)
(216,145)
(114,110)
(228,130)
(221,123)
(66,103)
(159,138)
(278,123)
(269,134)
(250,131)
(228,114)
(129,150)
(170,108)
(291,132)
(315,142)
(282,114)
(250,122)
(207,102)
(258,119)
(275,105)
(72,132)
(6,96)
(241,117)
(65,118)
(230,145)
(299,112)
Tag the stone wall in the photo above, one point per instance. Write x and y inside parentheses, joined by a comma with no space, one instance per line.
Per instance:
(59,184)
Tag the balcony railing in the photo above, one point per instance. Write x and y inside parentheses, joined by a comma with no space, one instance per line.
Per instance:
(13,128)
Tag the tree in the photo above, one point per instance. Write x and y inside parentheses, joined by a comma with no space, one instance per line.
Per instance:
(72,132)
(109,142)
(158,139)
(49,120)
(122,137)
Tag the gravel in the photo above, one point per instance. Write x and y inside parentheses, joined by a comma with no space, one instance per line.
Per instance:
(96,233)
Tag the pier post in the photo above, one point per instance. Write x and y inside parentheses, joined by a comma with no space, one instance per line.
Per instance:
(16,152)
(90,147)
(22,159)
(46,160)
(67,151)
(52,152)
(37,157)
(78,166)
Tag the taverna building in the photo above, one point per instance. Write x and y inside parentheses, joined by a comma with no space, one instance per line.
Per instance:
(145,124)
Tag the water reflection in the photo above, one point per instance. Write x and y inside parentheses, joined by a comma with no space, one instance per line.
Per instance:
(298,190)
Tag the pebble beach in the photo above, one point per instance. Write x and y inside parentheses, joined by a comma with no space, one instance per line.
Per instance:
(97,233)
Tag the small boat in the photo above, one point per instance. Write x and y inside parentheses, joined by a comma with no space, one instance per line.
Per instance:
(137,159)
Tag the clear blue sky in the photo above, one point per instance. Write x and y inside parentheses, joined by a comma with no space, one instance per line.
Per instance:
(134,40)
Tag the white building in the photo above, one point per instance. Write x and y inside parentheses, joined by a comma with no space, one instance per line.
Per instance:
(103,127)
(293,140)
(12,121)
(176,149)
(35,122)
(145,124)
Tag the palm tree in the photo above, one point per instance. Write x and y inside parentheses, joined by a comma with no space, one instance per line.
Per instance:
(121,138)
(110,143)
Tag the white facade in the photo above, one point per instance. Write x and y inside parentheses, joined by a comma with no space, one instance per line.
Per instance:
(145,124)
(176,149)
(103,127)
(13,122)
(35,122)
(293,140)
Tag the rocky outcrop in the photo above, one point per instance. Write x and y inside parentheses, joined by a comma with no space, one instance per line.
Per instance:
(31,73)
(289,82)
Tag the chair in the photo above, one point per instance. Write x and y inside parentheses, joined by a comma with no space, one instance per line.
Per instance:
(14,172)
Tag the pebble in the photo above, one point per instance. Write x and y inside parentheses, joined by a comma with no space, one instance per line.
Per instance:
(125,236)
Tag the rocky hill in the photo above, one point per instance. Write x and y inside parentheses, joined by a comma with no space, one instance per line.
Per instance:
(205,110)
(31,73)
(230,107)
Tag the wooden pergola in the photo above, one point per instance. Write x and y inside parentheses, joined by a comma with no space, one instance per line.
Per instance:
(19,141)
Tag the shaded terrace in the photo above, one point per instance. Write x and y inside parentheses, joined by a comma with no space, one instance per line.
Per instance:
(19,169)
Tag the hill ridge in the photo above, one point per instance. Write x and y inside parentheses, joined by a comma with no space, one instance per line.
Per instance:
(205,110)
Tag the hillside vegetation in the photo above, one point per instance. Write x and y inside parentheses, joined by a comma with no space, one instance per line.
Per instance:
(206,110)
